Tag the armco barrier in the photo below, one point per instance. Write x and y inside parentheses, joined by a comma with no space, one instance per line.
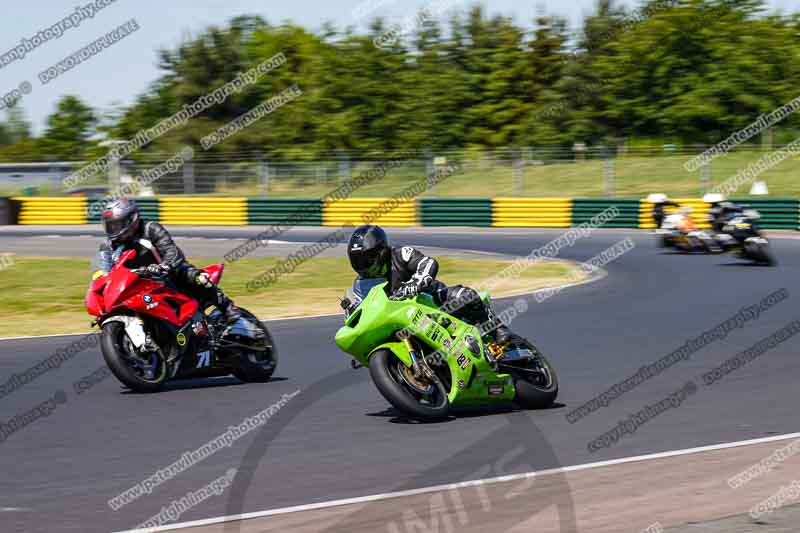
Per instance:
(531,212)
(49,210)
(775,213)
(455,212)
(295,212)
(7,210)
(584,209)
(356,211)
(147,206)
(479,212)
(203,211)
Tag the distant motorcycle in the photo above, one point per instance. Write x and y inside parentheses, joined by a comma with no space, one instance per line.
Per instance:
(151,333)
(679,231)
(742,235)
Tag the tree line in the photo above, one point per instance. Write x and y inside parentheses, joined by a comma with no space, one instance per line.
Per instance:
(672,71)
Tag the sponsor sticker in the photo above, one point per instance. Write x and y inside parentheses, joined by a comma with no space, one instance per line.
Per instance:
(496,389)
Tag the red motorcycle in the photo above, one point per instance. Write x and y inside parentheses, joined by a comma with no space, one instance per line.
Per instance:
(151,333)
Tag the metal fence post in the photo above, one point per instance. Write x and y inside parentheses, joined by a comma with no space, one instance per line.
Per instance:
(705,177)
(114,174)
(188,178)
(608,173)
(344,166)
(767,139)
(430,169)
(263,176)
(516,174)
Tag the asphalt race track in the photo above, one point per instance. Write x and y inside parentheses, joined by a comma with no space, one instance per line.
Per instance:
(337,439)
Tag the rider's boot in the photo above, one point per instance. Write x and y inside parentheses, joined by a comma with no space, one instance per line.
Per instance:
(230,311)
(220,300)
(502,334)
(711,243)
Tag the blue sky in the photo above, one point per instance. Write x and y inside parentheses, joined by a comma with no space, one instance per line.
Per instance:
(125,70)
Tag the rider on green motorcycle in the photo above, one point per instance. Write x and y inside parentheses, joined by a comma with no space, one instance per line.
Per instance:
(409,272)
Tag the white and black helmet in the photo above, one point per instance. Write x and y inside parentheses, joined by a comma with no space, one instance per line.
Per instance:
(121,219)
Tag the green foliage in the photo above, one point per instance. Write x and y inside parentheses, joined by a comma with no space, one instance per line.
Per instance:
(691,71)
(69,130)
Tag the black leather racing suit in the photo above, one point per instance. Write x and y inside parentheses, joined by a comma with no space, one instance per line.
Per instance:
(720,214)
(658,213)
(464,303)
(154,245)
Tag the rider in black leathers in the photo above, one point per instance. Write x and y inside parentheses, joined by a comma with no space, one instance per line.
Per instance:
(721,212)
(158,253)
(658,212)
(410,272)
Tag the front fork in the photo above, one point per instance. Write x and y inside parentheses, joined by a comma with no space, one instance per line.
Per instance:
(418,364)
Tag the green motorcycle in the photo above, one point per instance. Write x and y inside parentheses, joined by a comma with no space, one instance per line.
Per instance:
(425,361)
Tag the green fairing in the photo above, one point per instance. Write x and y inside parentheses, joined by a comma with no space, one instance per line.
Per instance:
(373,326)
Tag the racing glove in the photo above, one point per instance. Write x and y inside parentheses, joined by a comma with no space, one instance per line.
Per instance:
(157,270)
(422,282)
(204,280)
(408,289)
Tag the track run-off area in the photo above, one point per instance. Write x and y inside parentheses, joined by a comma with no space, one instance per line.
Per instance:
(331,455)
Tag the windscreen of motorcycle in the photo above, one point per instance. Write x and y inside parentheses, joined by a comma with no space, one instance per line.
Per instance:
(362,286)
(104,260)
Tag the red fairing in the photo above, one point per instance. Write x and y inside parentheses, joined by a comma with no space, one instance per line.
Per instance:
(122,289)
(164,303)
(94,296)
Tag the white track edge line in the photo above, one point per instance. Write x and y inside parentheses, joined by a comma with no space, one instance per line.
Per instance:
(464,484)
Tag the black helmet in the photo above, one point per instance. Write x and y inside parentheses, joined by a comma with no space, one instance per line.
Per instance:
(121,219)
(369,252)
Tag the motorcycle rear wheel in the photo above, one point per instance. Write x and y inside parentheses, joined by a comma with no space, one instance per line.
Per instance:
(386,371)
(535,390)
(121,359)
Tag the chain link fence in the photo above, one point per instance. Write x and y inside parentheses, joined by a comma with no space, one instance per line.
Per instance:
(599,171)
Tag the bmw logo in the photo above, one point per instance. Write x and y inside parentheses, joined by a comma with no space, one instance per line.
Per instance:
(147,298)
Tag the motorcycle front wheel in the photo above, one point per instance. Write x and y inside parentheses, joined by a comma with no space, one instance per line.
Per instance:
(415,398)
(763,256)
(138,372)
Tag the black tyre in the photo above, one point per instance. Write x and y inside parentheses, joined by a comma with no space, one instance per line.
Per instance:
(396,383)
(765,256)
(537,389)
(760,253)
(257,366)
(139,373)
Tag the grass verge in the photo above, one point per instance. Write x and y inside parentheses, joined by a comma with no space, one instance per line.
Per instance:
(45,295)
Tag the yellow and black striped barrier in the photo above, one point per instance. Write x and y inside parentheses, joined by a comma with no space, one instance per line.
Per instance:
(394,212)
(202,211)
(44,210)
(390,212)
